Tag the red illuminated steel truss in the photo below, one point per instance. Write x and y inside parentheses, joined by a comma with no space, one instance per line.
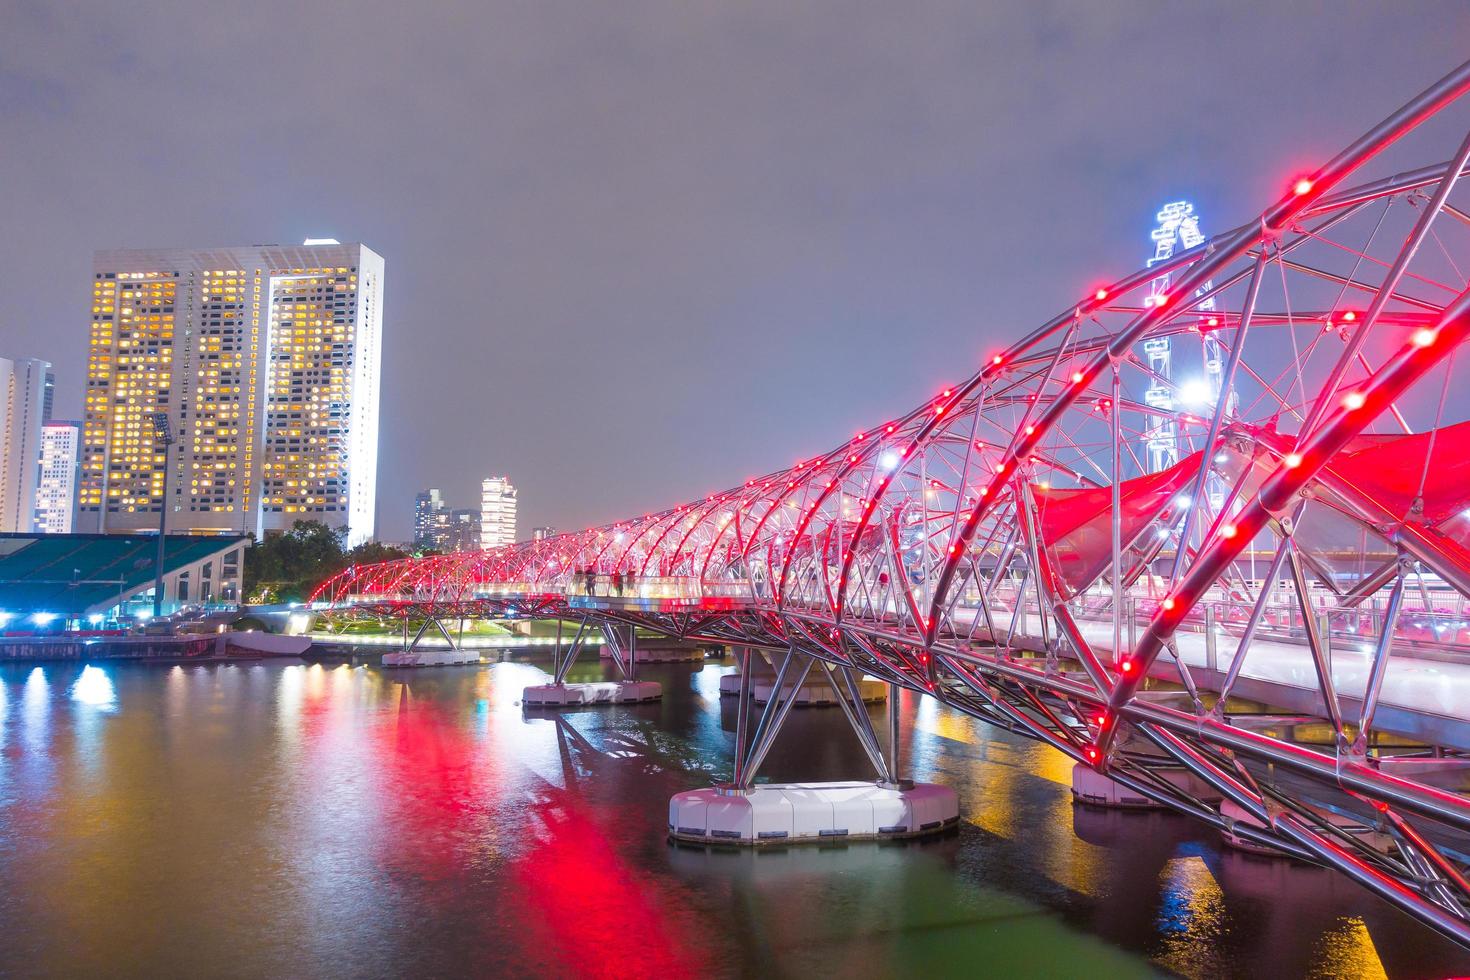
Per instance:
(1270,636)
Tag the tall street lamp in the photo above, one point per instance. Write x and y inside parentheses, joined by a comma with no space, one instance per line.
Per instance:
(163,435)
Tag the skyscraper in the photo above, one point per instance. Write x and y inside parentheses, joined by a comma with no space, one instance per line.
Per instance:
(497,512)
(464,530)
(49,399)
(542,533)
(56,484)
(428,509)
(22,405)
(265,360)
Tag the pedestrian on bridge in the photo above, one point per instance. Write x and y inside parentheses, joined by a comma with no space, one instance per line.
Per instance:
(617,583)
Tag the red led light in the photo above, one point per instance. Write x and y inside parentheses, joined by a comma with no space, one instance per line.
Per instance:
(1126,666)
(1100,295)
(1302,186)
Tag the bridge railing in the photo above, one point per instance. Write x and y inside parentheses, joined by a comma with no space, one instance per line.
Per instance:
(685,588)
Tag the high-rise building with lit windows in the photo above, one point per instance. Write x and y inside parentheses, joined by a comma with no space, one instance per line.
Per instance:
(264,358)
(56,480)
(430,519)
(464,530)
(22,410)
(497,512)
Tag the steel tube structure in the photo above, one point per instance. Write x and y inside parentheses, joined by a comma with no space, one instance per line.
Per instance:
(1004,548)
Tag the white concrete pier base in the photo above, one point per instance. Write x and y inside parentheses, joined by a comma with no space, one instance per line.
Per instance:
(816,692)
(653,653)
(430,658)
(599,692)
(1091,787)
(785,813)
(1238,815)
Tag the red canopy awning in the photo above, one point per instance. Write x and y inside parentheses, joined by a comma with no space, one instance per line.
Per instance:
(1076,524)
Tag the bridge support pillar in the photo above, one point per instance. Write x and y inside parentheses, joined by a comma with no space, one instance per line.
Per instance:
(414,654)
(744,812)
(560,694)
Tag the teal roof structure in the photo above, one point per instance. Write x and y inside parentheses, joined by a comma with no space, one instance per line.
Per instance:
(76,574)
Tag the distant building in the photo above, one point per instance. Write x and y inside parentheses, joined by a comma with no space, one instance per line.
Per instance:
(429,513)
(541,533)
(22,408)
(497,512)
(265,360)
(464,530)
(48,401)
(56,484)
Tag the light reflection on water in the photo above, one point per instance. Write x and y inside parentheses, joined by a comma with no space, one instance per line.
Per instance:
(342,821)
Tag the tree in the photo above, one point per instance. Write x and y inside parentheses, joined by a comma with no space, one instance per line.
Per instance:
(372,552)
(287,567)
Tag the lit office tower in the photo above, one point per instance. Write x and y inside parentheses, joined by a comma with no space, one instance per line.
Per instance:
(265,360)
(428,510)
(497,512)
(56,485)
(22,402)
(464,530)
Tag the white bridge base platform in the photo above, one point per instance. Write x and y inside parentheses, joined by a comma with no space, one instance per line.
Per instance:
(430,658)
(812,694)
(661,655)
(1092,787)
(785,813)
(600,692)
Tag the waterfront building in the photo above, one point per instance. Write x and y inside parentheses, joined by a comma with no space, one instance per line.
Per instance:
(53,582)
(56,481)
(542,533)
(22,409)
(265,362)
(497,512)
(463,533)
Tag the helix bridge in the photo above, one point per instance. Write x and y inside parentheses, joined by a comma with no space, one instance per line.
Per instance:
(1245,601)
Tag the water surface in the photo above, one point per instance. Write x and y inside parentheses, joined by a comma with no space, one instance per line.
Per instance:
(297,820)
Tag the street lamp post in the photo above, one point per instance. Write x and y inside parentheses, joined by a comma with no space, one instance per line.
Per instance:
(162,435)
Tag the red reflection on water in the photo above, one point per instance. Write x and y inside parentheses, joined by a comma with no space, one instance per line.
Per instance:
(590,909)
(435,797)
(451,804)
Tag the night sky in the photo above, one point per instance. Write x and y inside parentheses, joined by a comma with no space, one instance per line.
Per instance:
(640,251)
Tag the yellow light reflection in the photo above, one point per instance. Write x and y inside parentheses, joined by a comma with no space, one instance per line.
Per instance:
(1348,951)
